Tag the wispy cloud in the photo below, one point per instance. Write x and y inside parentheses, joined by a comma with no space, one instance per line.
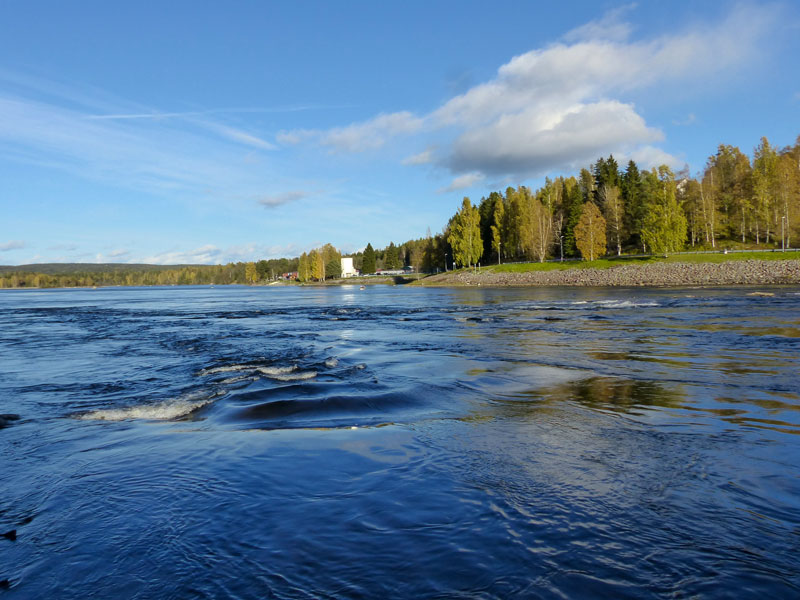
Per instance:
(210,254)
(12,245)
(423,158)
(462,182)
(154,152)
(242,137)
(357,137)
(611,26)
(281,199)
(63,247)
(156,116)
(690,118)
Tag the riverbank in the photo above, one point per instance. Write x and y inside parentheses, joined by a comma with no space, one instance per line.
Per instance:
(657,274)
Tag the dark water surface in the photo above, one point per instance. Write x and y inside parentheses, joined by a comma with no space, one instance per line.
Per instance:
(400,443)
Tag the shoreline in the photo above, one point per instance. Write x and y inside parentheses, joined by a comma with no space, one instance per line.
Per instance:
(751,272)
(678,274)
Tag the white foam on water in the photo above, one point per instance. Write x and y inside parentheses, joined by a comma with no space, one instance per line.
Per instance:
(332,362)
(276,371)
(163,411)
(302,375)
(625,304)
(238,379)
(248,369)
(228,369)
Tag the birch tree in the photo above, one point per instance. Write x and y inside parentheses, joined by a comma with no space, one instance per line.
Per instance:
(465,235)
(590,232)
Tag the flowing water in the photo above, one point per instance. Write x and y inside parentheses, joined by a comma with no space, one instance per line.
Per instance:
(400,443)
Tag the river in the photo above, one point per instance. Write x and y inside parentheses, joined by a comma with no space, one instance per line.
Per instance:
(400,442)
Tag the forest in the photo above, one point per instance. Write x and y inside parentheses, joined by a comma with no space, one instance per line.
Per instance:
(736,201)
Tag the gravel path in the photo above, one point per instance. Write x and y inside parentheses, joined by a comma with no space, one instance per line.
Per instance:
(749,272)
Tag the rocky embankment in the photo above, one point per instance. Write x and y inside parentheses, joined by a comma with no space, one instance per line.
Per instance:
(744,272)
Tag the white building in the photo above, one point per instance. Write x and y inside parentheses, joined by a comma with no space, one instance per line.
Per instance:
(347,267)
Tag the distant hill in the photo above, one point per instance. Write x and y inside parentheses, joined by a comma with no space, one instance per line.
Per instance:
(72,268)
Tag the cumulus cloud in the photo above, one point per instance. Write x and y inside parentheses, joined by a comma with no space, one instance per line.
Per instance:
(650,157)
(553,108)
(462,182)
(572,136)
(276,200)
(563,105)
(12,245)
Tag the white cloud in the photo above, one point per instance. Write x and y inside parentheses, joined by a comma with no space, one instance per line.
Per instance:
(563,105)
(208,254)
(371,134)
(296,136)
(462,182)
(609,27)
(12,245)
(357,137)
(240,136)
(554,108)
(423,158)
(532,142)
(648,157)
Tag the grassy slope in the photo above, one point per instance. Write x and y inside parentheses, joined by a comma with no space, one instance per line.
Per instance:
(607,263)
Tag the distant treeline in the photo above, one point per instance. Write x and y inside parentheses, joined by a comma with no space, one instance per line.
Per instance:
(89,275)
(735,201)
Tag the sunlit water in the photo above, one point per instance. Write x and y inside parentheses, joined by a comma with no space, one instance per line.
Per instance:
(400,443)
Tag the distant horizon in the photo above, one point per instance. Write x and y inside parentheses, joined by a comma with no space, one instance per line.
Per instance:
(262,131)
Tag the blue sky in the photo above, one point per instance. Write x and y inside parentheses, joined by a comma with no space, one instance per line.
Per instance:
(208,132)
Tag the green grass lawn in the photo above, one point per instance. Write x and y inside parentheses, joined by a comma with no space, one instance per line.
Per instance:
(607,263)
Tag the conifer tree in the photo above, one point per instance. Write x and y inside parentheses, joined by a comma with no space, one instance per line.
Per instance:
(390,258)
(368,260)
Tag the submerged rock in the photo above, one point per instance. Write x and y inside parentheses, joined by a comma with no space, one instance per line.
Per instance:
(7,418)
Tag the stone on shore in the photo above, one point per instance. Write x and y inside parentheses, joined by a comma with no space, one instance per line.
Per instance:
(743,272)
